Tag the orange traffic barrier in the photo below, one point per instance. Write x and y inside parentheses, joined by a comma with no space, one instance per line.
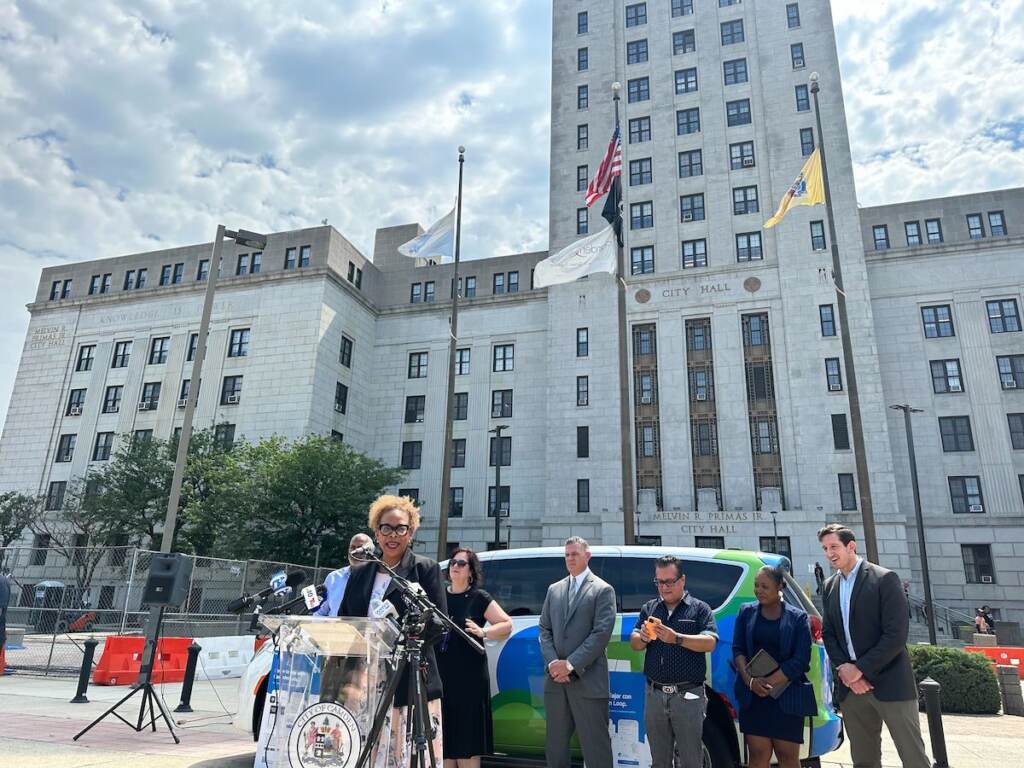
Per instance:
(122,657)
(171,658)
(1002,655)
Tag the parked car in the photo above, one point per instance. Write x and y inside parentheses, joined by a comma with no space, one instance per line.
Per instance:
(518,579)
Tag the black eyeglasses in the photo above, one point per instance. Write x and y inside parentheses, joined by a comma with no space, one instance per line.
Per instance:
(666,582)
(397,530)
(460,563)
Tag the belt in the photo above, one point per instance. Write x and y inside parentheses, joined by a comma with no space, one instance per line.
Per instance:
(674,687)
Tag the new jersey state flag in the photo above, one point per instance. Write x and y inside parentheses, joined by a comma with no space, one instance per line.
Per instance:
(808,189)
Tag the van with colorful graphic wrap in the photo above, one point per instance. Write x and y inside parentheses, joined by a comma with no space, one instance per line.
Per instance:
(519,579)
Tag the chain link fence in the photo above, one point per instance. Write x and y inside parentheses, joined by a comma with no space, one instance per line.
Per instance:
(61,597)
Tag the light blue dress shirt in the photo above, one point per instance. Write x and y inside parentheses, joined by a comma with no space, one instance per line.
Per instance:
(335,583)
(845,592)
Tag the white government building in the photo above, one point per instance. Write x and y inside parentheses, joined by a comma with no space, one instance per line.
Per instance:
(739,397)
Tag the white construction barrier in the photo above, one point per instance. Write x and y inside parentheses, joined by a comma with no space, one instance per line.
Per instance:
(224,657)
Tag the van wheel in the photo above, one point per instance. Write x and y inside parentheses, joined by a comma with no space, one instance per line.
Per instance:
(716,750)
(257,711)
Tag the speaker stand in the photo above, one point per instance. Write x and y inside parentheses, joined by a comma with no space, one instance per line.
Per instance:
(144,684)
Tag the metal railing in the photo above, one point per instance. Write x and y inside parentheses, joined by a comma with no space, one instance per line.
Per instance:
(947,619)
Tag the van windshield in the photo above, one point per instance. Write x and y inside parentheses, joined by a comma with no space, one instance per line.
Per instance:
(709,580)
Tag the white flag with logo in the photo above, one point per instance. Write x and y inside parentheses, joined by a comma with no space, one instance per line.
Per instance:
(436,243)
(596,253)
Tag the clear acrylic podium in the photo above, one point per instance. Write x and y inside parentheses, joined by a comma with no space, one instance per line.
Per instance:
(324,687)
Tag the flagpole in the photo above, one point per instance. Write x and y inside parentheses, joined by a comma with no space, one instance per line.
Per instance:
(860,456)
(453,341)
(625,422)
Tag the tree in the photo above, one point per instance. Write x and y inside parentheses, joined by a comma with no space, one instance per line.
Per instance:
(16,512)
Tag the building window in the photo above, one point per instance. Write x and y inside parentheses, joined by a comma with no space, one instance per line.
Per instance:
(1003,316)
(165,276)
(641,215)
(231,390)
(582,178)
(501,453)
(691,207)
(415,293)
(65,448)
(582,220)
(242,268)
(583,496)
(636,51)
(646,393)
(129,280)
(345,356)
(847,492)
(704,436)
(965,494)
(912,230)
(203,271)
(582,342)
(582,442)
(684,42)
(639,131)
(501,404)
(428,292)
(741,155)
(105,282)
(418,365)
(687,121)
(712,542)
(956,434)
(459,453)
(691,163)
(582,97)
(239,343)
(833,374)
(470,287)
(737,112)
(744,200)
(946,376)
(55,290)
(764,436)
(636,14)
(582,23)
(647,440)
(582,390)
(682,8)
(735,71)
(506,495)
(456,499)
(86,355)
(638,89)
(1011,371)
(158,350)
(755,331)
(55,496)
(462,361)
(933,229)
(880,232)
(642,260)
(498,283)
(803,100)
(76,401)
(732,32)
(686,80)
(975,226)
(183,395)
(1016,424)
(340,397)
(818,236)
(726,3)
(938,321)
(806,141)
(828,320)
(702,386)
(996,223)
(640,172)
(978,568)
(112,399)
(122,353)
(94,283)
(460,406)
(695,253)
(412,454)
(796,55)
(503,357)
(792,15)
(748,246)
(415,405)
(104,442)
(304,253)
(840,434)
(582,59)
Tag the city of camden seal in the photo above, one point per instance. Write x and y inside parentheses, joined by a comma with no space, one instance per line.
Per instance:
(643,296)
(752,284)
(325,735)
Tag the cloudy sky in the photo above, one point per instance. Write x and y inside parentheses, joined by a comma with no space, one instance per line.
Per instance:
(130,126)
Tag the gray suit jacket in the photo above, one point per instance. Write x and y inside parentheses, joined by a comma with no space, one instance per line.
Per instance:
(579,636)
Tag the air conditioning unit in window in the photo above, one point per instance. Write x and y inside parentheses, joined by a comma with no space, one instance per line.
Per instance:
(1009,383)
(956,387)
(986,579)
(145,405)
(339,408)
(687,217)
(835,387)
(748,162)
(183,402)
(976,508)
(232,399)
(702,395)
(75,410)
(646,399)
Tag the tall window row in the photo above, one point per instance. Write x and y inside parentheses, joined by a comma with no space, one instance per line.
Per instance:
(761,408)
(646,414)
(700,376)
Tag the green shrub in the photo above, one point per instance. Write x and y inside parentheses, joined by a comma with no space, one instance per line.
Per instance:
(968,680)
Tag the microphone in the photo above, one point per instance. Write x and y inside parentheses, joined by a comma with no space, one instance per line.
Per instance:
(312,597)
(364,552)
(382,609)
(290,581)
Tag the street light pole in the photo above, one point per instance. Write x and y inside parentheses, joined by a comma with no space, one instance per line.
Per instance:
(775,532)
(496,454)
(860,453)
(919,519)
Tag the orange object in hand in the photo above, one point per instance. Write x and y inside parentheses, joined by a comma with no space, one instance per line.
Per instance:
(649,627)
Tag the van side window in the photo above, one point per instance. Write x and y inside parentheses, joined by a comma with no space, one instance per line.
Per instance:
(710,581)
(521,584)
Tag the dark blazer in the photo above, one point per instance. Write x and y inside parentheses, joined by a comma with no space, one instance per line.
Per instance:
(416,568)
(795,645)
(879,622)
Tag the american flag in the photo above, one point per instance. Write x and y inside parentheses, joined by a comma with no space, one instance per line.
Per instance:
(611,166)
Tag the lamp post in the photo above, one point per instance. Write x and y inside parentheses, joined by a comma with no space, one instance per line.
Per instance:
(775,532)
(496,455)
(860,454)
(919,519)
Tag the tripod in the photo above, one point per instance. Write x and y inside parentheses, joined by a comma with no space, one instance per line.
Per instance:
(408,654)
(144,684)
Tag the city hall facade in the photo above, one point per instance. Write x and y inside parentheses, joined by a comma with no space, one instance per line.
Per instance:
(740,418)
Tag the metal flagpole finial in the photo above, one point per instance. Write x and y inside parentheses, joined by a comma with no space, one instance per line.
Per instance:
(462,150)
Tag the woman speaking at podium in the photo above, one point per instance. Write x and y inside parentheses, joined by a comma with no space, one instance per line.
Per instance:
(394,520)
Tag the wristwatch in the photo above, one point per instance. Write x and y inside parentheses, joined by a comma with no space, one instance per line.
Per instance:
(484,631)
(679,639)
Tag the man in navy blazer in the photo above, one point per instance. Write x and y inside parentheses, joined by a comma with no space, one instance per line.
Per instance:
(865,627)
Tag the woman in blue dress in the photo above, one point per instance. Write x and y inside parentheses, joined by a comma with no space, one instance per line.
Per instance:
(782,630)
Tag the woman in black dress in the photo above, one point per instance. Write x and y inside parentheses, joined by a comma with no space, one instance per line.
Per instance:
(783,632)
(467,687)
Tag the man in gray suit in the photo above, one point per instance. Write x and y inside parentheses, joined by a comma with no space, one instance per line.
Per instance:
(575,626)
